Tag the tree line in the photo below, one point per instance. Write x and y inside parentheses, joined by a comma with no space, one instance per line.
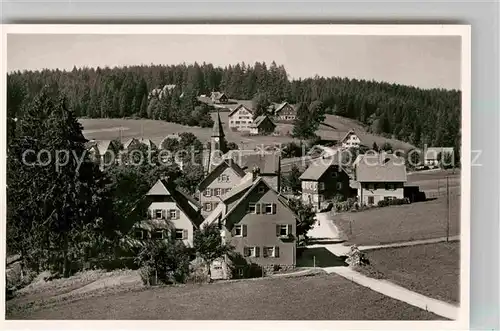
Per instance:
(418,116)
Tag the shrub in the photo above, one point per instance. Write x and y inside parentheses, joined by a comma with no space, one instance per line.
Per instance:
(355,257)
(393,202)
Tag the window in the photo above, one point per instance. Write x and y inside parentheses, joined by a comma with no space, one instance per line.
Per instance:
(371,200)
(158,213)
(251,208)
(217,192)
(238,231)
(157,234)
(282,229)
(339,186)
(172,213)
(371,186)
(389,198)
(321,186)
(240,272)
(237,122)
(268,208)
(224,178)
(251,251)
(390,187)
(335,174)
(208,192)
(208,206)
(139,234)
(180,234)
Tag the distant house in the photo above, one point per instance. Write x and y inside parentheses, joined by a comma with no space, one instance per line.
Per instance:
(241,118)
(219,97)
(432,155)
(285,112)
(350,140)
(322,151)
(262,125)
(380,177)
(261,227)
(134,142)
(104,152)
(323,180)
(217,183)
(172,214)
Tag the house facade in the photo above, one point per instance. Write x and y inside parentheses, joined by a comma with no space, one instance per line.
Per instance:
(285,112)
(241,118)
(103,152)
(217,183)
(172,214)
(322,181)
(262,125)
(380,177)
(350,140)
(260,226)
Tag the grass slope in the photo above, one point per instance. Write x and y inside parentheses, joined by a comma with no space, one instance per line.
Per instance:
(432,270)
(420,220)
(328,297)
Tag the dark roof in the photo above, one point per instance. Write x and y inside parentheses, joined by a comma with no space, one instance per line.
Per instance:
(240,105)
(217,130)
(348,134)
(217,95)
(225,163)
(268,163)
(259,120)
(317,168)
(381,168)
(281,105)
(164,187)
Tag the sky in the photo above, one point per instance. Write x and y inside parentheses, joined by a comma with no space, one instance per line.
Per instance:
(422,61)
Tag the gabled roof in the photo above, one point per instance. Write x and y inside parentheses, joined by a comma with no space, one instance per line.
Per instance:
(267,162)
(245,183)
(317,168)
(217,95)
(101,146)
(259,120)
(162,188)
(225,163)
(281,106)
(217,130)
(144,141)
(348,134)
(381,168)
(238,107)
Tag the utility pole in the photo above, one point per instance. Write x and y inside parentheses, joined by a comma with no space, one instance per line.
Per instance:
(448,209)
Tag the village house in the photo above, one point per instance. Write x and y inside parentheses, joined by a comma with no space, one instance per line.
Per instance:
(217,183)
(380,177)
(434,155)
(259,224)
(172,214)
(103,152)
(219,97)
(285,112)
(262,125)
(241,118)
(323,180)
(134,142)
(350,140)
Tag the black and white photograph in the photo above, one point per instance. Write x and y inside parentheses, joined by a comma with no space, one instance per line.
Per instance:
(237,172)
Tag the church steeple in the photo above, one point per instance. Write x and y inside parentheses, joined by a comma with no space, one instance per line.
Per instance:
(218,141)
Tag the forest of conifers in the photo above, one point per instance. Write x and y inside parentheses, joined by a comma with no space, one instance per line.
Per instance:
(418,116)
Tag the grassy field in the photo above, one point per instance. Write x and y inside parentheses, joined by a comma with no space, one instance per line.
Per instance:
(420,220)
(336,127)
(326,297)
(434,182)
(432,270)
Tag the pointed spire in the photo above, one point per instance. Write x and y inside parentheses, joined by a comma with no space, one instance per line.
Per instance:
(217,129)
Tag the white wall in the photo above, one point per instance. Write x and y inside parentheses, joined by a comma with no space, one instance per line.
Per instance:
(182,222)
(380,193)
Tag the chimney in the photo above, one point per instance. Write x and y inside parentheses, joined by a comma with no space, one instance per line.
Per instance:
(255,173)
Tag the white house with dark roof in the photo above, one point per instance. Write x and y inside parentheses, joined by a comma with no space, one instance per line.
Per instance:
(219,97)
(350,140)
(241,118)
(380,177)
(285,112)
(172,214)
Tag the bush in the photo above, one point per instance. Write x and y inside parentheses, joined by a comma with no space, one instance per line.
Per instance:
(355,257)
(393,202)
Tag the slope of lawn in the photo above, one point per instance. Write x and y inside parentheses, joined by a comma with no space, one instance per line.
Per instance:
(432,270)
(326,297)
(420,220)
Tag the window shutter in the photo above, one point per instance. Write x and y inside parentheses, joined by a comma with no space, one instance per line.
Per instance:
(277,230)
(257,208)
(289,232)
(244,230)
(152,213)
(184,234)
(233,231)
(257,251)
(177,214)
(276,251)
(264,252)
(274,208)
(245,251)
(164,213)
